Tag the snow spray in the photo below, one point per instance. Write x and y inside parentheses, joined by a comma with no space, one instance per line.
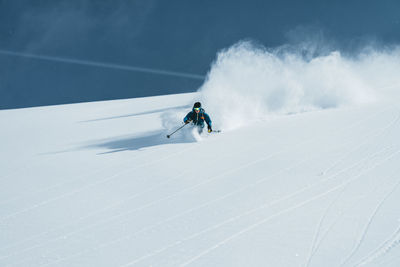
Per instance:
(248,82)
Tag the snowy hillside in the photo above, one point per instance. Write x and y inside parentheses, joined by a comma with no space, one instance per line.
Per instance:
(296,178)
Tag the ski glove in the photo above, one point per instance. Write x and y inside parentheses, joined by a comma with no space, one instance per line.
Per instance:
(188,121)
(209,129)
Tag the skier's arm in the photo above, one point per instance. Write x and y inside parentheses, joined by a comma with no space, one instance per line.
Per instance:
(207,119)
(188,117)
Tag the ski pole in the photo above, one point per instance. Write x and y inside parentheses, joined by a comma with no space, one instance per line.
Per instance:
(169,135)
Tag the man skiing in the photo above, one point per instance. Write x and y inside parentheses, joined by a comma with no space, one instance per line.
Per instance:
(197,116)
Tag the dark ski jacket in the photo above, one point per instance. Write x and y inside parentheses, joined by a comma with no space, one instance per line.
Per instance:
(198,118)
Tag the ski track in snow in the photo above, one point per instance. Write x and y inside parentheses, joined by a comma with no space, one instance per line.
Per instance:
(313,252)
(392,242)
(380,133)
(369,138)
(330,227)
(368,224)
(235,218)
(251,227)
(325,235)
(315,243)
(361,239)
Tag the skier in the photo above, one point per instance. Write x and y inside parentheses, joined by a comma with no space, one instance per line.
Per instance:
(197,116)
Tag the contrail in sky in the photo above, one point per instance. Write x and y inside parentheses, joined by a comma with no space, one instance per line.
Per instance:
(103,65)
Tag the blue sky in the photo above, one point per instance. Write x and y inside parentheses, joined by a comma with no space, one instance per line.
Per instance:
(180,37)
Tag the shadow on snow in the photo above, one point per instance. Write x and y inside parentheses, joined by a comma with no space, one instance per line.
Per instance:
(138,142)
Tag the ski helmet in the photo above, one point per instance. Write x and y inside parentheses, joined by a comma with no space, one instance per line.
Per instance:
(197,105)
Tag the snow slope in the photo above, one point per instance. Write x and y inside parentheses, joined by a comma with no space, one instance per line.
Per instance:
(98,184)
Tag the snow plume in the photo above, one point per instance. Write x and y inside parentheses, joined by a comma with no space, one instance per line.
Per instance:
(248,82)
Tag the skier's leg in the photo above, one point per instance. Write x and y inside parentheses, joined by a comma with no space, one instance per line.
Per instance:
(200,128)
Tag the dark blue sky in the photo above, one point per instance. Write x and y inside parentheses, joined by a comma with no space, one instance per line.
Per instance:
(178,36)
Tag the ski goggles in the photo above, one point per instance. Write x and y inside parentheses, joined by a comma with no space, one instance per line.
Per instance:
(196,109)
